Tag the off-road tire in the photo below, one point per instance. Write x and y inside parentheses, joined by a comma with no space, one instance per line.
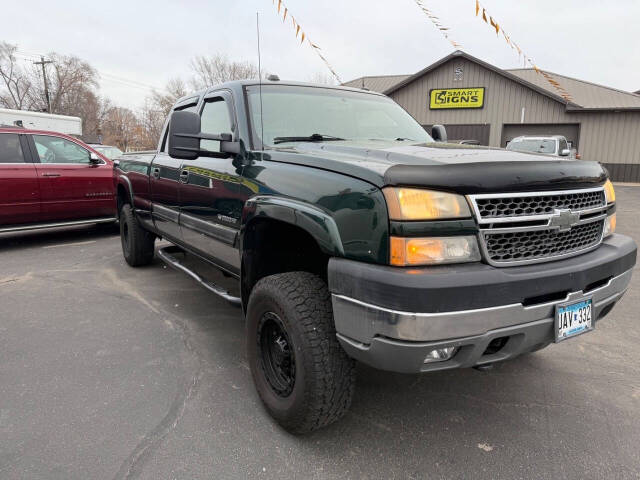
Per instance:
(324,377)
(137,244)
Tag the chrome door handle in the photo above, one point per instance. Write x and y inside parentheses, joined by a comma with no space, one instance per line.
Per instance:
(156,173)
(184,176)
(50,174)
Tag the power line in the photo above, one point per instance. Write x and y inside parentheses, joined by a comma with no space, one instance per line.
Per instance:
(105,76)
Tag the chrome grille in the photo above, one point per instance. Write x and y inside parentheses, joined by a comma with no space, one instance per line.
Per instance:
(537,244)
(536,204)
(531,227)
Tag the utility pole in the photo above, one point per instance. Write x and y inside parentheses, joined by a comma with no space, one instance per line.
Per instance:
(42,62)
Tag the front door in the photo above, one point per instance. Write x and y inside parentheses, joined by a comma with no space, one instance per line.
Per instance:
(72,188)
(19,191)
(212,191)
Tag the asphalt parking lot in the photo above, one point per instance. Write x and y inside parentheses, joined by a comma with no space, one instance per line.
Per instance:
(112,372)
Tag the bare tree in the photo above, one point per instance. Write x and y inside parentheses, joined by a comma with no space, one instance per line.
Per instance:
(151,120)
(121,128)
(70,81)
(15,84)
(216,69)
(163,101)
(156,109)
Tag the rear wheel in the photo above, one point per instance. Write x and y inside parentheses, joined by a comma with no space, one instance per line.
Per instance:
(137,244)
(304,378)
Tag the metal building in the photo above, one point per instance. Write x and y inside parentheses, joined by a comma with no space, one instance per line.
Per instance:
(476,100)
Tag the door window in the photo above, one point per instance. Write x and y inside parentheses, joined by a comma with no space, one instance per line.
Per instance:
(10,149)
(215,119)
(60,150)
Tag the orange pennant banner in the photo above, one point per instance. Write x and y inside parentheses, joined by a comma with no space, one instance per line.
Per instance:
(437,23)
(563,93)
(303,36)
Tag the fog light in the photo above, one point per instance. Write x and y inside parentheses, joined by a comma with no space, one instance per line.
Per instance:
(609,225)
(440,354)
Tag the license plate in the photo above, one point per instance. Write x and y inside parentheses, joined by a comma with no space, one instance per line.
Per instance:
(573,319)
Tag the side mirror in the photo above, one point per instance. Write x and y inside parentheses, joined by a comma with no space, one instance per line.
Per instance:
(185,136)
(439,133)
(94,159)
(565,152)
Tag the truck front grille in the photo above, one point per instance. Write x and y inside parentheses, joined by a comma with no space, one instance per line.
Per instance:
(537,244)
(530,227)
(536,204)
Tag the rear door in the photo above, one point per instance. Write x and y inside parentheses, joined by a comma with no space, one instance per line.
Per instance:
(212,191)
(71,187)
(19,190)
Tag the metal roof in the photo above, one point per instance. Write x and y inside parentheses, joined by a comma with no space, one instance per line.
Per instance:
(378,83)
(586,95)
(460,54)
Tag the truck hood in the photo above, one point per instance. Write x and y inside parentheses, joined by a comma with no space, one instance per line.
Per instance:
(460,168)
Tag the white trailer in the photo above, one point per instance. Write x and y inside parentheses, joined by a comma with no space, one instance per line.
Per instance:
(41,121)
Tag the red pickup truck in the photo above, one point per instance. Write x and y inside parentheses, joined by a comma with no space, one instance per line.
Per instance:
(50,179)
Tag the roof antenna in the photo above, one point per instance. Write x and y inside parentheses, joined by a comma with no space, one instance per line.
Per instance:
(260,87)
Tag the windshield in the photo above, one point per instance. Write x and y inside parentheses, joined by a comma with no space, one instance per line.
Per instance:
(109,152)
(293,114)
(533,145)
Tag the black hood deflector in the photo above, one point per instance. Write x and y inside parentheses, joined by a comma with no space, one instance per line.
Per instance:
(466,178)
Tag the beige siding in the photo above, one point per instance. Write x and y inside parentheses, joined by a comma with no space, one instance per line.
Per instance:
(608,137)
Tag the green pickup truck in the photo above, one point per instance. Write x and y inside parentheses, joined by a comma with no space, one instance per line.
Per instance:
(353,234)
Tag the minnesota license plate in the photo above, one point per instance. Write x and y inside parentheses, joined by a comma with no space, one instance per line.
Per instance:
(573,319)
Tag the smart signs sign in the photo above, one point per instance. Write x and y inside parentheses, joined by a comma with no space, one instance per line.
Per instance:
(440,98)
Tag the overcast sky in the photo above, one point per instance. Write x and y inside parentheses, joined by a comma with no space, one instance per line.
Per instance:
(138,44)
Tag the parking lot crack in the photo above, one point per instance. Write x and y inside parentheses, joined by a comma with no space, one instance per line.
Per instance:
(133,466)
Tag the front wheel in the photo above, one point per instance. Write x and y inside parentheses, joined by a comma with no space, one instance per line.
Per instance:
(137,244)
(304,378)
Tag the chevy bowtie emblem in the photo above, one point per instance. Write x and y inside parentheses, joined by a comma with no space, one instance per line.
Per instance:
(564,219)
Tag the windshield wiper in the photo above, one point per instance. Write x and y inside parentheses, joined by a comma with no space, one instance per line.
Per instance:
(316,137)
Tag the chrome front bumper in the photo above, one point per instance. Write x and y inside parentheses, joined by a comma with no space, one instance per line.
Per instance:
(361,321)
(399,341)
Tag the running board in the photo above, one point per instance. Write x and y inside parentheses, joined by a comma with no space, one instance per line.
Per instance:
(167,256)
(41,226)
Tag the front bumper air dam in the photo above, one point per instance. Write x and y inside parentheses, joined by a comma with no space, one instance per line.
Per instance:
(467,306)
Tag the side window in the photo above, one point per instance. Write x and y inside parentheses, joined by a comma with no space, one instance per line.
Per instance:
(215,120)
(10,149)
(59,150)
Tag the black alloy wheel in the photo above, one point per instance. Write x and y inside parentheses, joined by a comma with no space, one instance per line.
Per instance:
(277,357)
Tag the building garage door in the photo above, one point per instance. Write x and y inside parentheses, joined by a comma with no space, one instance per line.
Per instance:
(478,132)
(571,131)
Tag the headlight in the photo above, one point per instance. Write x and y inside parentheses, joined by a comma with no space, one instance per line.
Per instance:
(609,192)
(609,225)
(433,250)
(419,204)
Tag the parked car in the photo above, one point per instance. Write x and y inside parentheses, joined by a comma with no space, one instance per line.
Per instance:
(556,145)
(108,151)
(50,179)
(353,235)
